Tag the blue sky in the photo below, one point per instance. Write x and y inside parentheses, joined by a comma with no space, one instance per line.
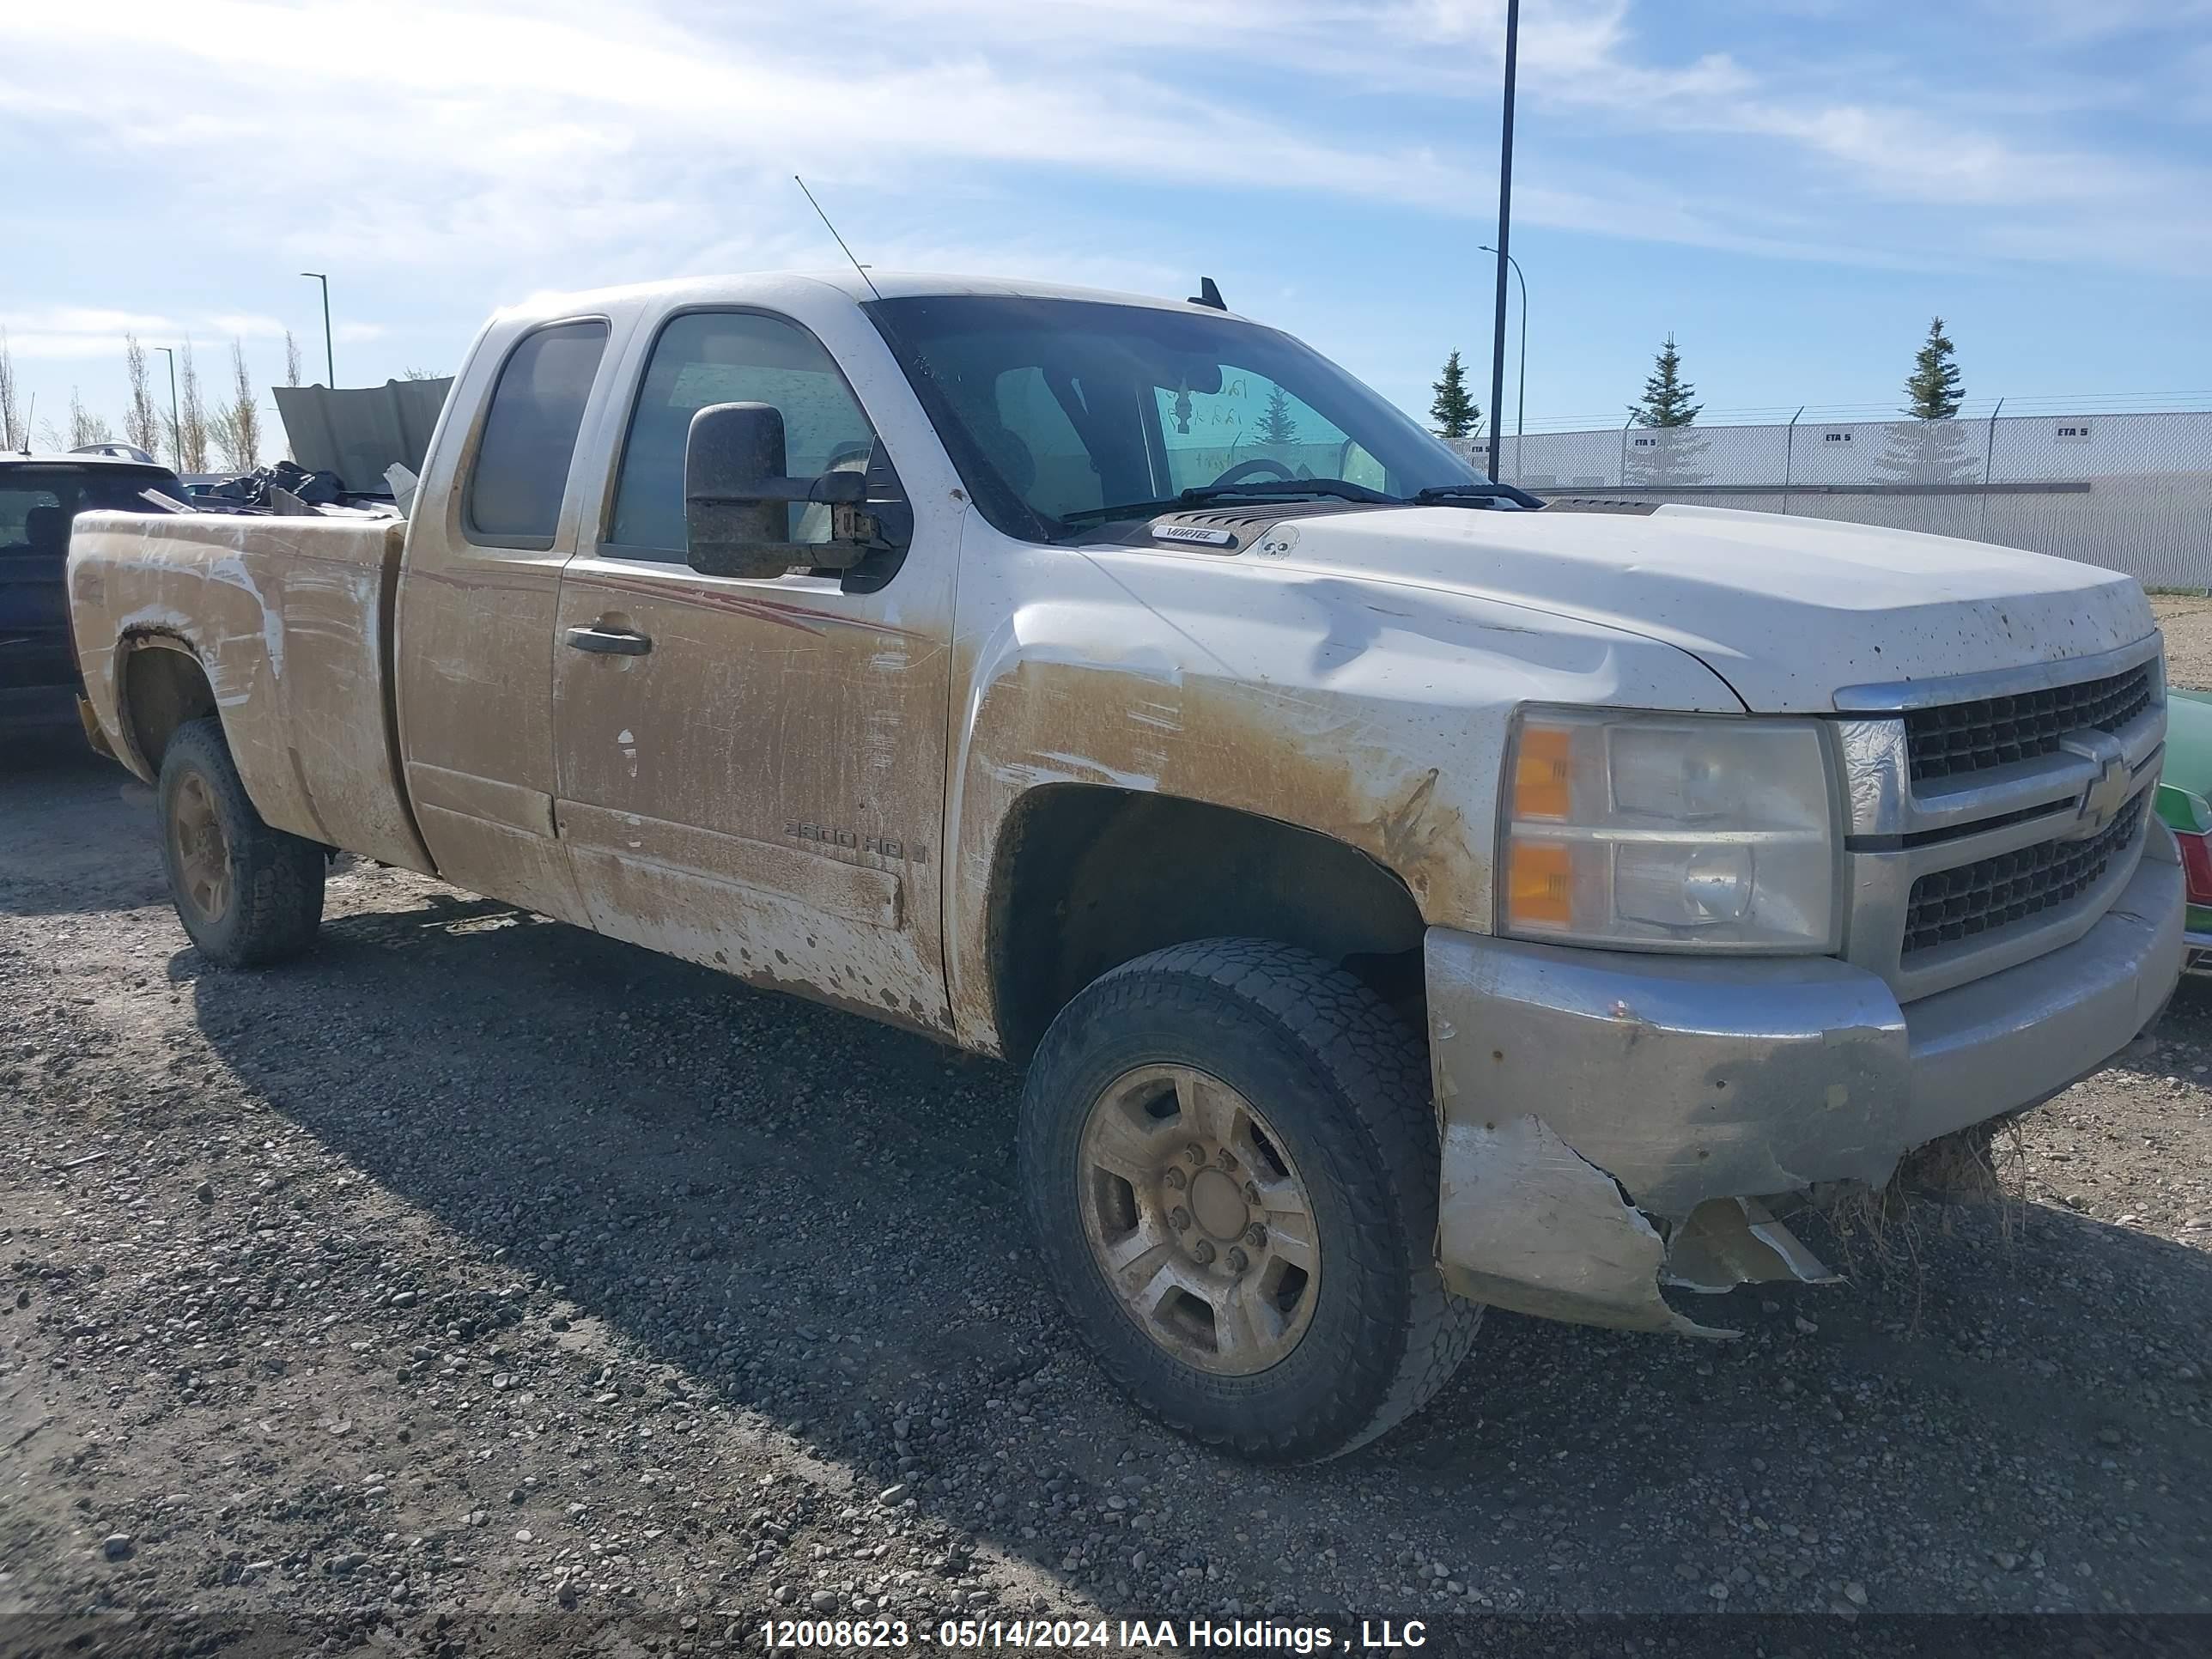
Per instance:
(1793,188)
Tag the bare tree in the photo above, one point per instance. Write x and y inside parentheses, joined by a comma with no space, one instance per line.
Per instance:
(140,425)
(85,428)
(420,374)
(189,438)
(14,433)
(291,359)
(237,424)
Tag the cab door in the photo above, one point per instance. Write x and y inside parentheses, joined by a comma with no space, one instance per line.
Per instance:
(751,771)
(496,520)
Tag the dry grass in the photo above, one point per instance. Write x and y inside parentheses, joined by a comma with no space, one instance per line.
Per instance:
(1885,1229)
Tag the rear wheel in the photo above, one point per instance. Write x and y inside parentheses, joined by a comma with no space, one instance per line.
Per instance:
(247,894)
(1231,1160)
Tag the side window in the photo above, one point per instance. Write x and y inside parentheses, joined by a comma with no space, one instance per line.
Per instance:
(1251,419)
(730,357)
(530,434)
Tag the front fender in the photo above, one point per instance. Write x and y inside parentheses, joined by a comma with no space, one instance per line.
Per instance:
(1372,713)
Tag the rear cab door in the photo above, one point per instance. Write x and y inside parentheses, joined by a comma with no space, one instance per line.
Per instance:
(497,518)
(751,772)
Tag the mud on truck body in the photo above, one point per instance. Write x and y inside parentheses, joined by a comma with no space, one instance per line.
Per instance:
(1403,900)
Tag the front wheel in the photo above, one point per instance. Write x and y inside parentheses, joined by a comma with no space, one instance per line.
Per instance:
(247,894)
(1230,1161)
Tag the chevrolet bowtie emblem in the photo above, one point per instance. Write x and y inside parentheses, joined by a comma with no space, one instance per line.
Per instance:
(2105,793)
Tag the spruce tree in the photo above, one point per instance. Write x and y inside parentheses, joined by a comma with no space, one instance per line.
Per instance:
(1666,400)
(1454,410)
(1933,385)
(1276,426)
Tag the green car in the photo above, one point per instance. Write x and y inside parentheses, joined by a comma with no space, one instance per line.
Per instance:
(2185,804)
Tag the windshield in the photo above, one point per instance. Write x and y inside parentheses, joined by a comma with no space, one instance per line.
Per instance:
(1056,409)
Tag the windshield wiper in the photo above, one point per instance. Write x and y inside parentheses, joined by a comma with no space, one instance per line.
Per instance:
(1444,495)
(1340,489)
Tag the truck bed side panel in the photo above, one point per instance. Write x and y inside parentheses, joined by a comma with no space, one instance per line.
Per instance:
(291,619)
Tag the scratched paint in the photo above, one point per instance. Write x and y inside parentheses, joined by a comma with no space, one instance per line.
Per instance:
(287,618)
(1246,687)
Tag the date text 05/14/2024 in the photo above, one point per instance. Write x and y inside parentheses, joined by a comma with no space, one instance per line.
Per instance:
(1074,1634)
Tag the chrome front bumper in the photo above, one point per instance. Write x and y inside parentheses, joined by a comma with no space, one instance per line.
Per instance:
(1585,1096)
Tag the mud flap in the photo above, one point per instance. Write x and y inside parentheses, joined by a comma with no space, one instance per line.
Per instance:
(93,734)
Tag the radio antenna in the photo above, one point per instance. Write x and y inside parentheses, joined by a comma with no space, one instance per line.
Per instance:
(832,229)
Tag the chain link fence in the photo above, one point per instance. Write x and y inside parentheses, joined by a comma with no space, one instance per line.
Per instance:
(2128,492)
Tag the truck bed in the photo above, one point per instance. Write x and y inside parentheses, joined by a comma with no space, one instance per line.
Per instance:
(291,621)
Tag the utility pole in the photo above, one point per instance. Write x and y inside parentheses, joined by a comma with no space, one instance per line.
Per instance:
(176,425)
(330,358)
(1504,230)
(1521,401)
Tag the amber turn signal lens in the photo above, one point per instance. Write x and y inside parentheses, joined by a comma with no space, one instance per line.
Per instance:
(1541,887)
(1541,781)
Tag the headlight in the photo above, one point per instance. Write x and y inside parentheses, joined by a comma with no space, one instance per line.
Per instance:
(1665,831)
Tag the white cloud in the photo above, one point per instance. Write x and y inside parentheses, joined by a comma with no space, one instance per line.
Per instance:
(486,142)
(486,148)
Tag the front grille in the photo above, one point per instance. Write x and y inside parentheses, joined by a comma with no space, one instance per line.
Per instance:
(1949,905)
(1970,737)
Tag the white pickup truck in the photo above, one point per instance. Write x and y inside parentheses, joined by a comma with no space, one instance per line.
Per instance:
(1404,900)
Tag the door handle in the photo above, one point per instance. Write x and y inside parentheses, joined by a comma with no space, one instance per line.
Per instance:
(609,641)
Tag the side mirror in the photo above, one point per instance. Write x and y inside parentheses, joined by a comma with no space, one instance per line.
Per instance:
(736,500)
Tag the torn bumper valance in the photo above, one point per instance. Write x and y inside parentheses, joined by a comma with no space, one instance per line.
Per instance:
(1611,1120)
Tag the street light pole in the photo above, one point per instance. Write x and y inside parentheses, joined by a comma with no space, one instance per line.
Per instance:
(1504,228)
(330,358)
(1520,400)
(176,426)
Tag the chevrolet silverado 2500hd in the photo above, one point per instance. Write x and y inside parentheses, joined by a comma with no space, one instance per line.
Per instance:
(1404,900)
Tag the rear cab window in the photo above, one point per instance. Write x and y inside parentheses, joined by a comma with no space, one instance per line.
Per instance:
(33,519)
(38,504)
(520,473)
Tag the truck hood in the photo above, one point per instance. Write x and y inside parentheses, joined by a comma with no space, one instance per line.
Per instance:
(1787,610)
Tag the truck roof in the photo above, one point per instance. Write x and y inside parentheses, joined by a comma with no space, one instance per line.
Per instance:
(771,287)
(15,460)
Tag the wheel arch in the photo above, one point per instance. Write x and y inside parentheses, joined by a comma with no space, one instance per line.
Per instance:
(161,683)
(1086,876)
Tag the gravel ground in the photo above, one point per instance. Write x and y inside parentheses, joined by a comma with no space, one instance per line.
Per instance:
(475,1265)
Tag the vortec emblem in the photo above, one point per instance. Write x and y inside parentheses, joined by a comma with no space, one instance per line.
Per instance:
(2105,793)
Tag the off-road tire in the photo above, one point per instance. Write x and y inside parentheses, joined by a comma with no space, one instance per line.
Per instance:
(275,890)
(1345,1083)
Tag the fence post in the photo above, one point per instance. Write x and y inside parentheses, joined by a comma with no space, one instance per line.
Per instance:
(1624,425)
(1788,446)
(1989,459)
